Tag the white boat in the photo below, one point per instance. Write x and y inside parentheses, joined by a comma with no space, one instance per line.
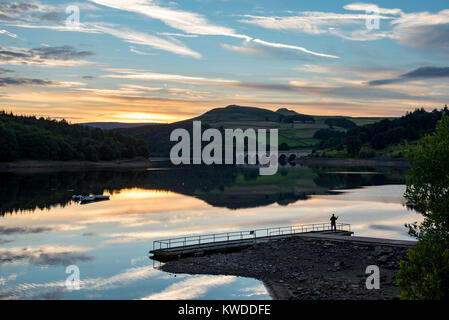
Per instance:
(89,199)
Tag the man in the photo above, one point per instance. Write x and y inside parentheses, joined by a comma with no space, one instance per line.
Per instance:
(334,222)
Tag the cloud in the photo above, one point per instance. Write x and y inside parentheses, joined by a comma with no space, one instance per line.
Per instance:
(253,291)
(7,33)
(4,241)
(4,280)
(428,37)
(10,11)
(190,22)
(27,11)
(148,40)
(44,56)
(27,230)
(382,227)
(245,48)
(124,34)
(132,74)
(30,230)
(24,81)
(44,255)
(53,16)
(140,53)
(294,87)
(315,22)
(128,276)
(417,74)
(422,30)
(286,46)
(185,21)
(368,7)
(60,53)
(192,288)
(3,70)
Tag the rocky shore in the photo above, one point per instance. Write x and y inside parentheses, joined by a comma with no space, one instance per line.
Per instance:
(305,268)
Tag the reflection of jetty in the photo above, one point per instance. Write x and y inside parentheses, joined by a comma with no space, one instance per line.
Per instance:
(168,249)
(89,199)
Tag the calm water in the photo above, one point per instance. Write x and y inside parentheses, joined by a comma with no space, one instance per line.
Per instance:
(42,231)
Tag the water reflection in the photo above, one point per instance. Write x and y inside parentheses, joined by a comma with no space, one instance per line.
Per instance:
(224,186)
(110,240)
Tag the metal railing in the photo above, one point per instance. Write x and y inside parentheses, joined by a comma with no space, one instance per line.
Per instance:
(245,235)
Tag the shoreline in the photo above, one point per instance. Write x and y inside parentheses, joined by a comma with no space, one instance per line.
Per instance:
(44,165)
(347,162)
(304,268)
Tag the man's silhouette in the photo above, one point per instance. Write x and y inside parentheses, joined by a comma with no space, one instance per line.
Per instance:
(334,222)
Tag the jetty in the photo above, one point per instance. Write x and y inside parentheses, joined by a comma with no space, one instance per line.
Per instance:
(175,248)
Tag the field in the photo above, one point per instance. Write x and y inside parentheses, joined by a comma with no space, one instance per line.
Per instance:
(295,135)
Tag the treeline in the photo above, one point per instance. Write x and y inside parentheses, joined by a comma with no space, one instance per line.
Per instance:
(296,118)
(340,122)
(27,137)
(380,135)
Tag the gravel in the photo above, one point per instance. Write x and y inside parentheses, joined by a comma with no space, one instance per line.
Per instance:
(305,269)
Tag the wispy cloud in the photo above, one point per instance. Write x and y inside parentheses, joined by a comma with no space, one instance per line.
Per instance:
(191,23)
(44,255)
(39,290)
(417,74)
(154,76)
(24,81)
(7,33)
(125,34)
(188,22)
(148,40)
(417,29)
(63,56)
(286,46)
(191,288)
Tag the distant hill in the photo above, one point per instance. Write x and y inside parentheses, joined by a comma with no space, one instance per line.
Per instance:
(114,125)
(296,130)
(238,113)
(287,112)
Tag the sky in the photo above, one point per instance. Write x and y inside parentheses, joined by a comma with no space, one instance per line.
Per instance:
(165,61)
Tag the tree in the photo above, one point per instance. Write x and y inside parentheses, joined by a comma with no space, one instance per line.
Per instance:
(9,148)
(426,273)
(23,137)
(284,147)
(353,145)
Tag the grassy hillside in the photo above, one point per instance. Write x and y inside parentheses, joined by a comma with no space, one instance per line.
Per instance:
(296,131)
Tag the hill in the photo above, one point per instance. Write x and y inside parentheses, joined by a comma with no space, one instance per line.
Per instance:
(296,131)
(113,125)
(239,114)
(31,138)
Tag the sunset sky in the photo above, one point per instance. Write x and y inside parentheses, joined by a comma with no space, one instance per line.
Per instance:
(163,61)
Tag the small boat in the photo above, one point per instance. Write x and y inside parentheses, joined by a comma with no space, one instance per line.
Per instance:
(89,199)
(101,197)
